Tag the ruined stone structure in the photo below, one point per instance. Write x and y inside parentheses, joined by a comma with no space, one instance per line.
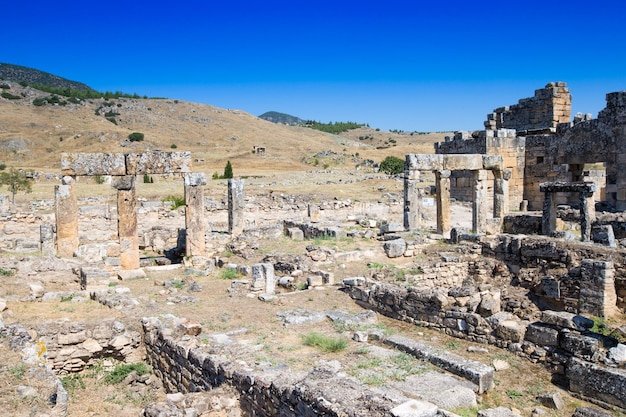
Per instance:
(539,143)
(587,206)
(123,168)
(443,166)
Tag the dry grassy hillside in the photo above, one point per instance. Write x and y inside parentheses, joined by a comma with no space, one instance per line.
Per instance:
(34,136)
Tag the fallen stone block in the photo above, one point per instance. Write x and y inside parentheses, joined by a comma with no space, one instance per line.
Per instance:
(480,374)
(415,408)
(551,400)
(127,274)
(497,412)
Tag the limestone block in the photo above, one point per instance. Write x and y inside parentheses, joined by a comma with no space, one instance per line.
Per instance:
(194,179)
(497,412)
(551,400)
(492,162)
(88,164)
(71,338)
(190,327)
(395,248)
(470,162)
(542,335)
(314,281)
(158,163)
(415,408)
(127,274)
(295,233)
(91,345)
(425,162)
(511,330)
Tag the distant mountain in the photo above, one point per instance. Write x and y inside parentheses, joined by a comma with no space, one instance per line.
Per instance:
(286,119)
(32,76)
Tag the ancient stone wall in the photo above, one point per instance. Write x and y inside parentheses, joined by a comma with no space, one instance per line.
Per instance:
(550,106)
(184,367)
(72,346)
(503,142)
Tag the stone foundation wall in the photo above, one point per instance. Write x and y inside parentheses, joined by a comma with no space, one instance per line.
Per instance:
(186,367)
(72,346)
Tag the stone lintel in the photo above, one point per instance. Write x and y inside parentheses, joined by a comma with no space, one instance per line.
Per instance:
(453,162)
(193,179)
(572,187)
(158,163)
(87,164)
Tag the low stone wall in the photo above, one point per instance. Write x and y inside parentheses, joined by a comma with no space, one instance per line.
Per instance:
(72,346)
(185,367)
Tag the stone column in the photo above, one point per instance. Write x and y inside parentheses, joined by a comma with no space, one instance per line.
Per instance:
(314,213)
(411,199)
(597,288)
(235,206)
(46,239)
(127,221)
(479,201)
(587,214)
(195,244)
(66,210)
(501,193)
(548,219)
(442,183)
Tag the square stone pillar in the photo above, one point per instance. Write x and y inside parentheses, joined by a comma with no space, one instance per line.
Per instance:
(548,219)
(66,211)
(235,206)
(479,201)
(501,193)
(587,215)
(442,183)
(127,221)
(411,199)
(597,289)
(195,244)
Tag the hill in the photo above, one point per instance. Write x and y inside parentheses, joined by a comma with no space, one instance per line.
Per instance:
(286,119)
(36,127)
(32,76)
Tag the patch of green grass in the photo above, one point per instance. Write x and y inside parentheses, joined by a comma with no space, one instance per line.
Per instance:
(67,298)
(373,379)
(453,345)
(229,273)
(17,371)
(120,372)
(466,411)
(369,363)
(72,382)
(325,343)
(375,265)
(513,394)
(175,201)
(6,272)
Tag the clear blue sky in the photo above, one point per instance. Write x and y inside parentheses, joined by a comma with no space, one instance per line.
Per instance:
(431,66)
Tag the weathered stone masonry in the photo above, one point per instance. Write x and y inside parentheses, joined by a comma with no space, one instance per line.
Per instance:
(124,168)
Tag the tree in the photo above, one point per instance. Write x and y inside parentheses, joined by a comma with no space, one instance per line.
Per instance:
(228,171)
(16,180)
(392,165)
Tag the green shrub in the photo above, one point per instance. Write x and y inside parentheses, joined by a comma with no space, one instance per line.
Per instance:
(229,273)
(175,201)
(72,382)
(325,343)
(39,101)
(5,86)
(228,171)
(173,146)
(9,96)
(120,372)
(392,165)
(136,137)
(112,120)
(3,167)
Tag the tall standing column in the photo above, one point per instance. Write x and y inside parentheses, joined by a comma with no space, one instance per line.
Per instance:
(235,206)
(195,244)
(442,179)
(479,204)
(411,199)
(127,221)
(548,218)
(66,211)
(587,214)
(501,193)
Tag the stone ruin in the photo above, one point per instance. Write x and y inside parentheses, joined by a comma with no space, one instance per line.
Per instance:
(529,295)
